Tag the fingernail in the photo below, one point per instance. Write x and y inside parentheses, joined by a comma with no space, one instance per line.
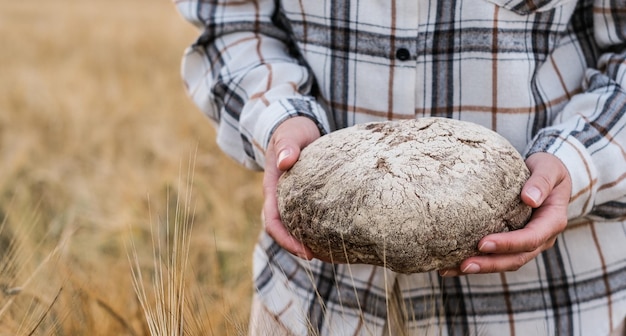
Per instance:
(471,269)
(534,194)
(487,247)
(283,155)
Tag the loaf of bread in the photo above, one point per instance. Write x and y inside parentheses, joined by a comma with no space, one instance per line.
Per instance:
(412,196)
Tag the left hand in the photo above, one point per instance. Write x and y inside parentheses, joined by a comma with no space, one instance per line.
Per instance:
(548,191)
(289,138)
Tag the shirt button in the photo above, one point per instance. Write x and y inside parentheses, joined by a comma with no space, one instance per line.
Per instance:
(403,54)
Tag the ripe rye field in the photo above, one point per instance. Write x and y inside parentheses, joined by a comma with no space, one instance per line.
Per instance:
(110,180)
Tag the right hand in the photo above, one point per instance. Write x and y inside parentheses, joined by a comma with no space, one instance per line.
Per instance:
(282,153)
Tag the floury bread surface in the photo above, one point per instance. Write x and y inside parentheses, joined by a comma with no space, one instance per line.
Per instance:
(412,196)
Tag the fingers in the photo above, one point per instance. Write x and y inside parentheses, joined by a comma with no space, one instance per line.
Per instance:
(282,153)
(509,251)
(275,228)
(545,224)
(504,263)
(548,191)
(505,252)
(271,217)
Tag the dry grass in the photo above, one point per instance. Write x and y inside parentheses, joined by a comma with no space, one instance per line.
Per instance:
(95,138)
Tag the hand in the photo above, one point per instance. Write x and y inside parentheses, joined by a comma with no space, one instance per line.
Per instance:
(547,191)
(282,153)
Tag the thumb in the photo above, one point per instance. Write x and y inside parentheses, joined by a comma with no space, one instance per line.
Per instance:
(288,154)
(534,191)
(290,137)
(546,172)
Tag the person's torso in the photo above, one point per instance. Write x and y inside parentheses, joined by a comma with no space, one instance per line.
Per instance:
(508,65)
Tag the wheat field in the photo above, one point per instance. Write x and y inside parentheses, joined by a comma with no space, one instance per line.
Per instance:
(118,214)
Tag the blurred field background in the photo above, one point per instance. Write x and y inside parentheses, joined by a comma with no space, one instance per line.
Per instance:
(103,162)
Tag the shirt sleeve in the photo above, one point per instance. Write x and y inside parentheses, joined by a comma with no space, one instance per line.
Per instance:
(244,74)
(589,135)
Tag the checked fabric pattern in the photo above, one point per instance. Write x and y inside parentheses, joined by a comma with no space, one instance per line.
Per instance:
(549,75)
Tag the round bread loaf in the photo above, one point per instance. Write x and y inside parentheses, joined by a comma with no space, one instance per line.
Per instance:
(412,196)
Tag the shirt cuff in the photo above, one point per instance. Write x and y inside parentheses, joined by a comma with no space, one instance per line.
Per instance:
(262,127)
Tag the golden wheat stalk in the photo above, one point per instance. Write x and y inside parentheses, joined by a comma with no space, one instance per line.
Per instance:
(25,305)
(165,314)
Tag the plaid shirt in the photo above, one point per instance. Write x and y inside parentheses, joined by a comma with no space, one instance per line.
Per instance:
(546,74)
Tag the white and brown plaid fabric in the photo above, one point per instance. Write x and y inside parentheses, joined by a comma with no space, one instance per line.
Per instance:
(549,75)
